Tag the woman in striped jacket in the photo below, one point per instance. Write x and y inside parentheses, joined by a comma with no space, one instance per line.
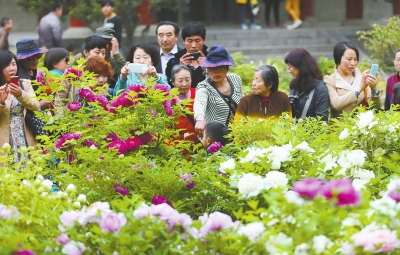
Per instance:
(218,96)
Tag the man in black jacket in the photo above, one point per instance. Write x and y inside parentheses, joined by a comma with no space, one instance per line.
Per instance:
(194,36)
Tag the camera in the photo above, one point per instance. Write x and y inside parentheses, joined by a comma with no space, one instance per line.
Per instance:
(293,99)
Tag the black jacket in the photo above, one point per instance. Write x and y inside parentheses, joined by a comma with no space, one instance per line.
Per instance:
(319,105)
(197,74)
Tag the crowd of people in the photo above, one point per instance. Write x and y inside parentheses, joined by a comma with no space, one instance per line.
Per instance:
(200,74)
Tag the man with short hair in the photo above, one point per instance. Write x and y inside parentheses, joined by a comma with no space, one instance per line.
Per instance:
(167,35)
(194,36)
(50,29)
(6,26)
(112,20)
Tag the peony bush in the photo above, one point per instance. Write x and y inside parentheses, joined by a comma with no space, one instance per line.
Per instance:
(112,178)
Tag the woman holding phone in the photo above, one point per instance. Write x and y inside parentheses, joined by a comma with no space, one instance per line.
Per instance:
(140,53)
(15,99)
(347,86)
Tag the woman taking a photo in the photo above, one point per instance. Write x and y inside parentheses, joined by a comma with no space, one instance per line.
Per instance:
(308,93)
(141,53)
(392,80)
(218,96)
(348,87)
(265,101)
(15,99)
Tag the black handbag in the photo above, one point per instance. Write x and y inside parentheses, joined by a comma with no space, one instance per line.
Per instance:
(33,123)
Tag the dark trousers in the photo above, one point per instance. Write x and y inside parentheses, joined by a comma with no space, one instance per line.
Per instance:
(275,5)
(242,8)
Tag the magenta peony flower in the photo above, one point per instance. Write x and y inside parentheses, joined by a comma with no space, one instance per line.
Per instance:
(24,252)
(190,185)
(175,100)
(90,143)
(161,87)
(132,143)
(87,94)
(342,191)
(145,138)
(62,239)
(186,176)
(395,193)
(112,222)
(69,136)
(214,147)
(309,187)
(121,189)
(71,70)
(168,109)
(156,200)
(137,88)
(102,99)
(74,105)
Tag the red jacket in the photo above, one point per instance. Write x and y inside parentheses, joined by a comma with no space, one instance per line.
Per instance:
(186,125)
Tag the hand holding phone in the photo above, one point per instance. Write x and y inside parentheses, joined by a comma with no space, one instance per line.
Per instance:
(195,55)
(374,69)
(137,68)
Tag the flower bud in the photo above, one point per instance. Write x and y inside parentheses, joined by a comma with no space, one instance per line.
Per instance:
(6,148)
(71,187)
(24,150)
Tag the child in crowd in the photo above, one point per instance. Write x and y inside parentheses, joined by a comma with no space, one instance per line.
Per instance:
(214,136)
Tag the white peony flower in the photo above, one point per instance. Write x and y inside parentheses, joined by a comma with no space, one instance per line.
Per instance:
(385,206)
(363,174)
(356,157)
(26,183)
(81,198)
(275,179)
(229,164)
(252,230)
(251,155)
(329,161)
(71,187)
(301,249)
(321,243)
(77,204)
(344,134)
(250,185)
(365,119)
(294,198)
(304,147)
(351,221)
(279,244)
(47,184)
(379,152)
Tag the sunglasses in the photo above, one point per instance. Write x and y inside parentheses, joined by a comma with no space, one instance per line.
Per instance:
(37,56)
(66,59)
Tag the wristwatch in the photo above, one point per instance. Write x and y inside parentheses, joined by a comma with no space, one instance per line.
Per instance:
(357,93)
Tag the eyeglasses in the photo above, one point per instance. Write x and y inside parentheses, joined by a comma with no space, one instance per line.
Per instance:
(34,57)
(66,59)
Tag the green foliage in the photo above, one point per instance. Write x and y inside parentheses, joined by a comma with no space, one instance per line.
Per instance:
(382,41)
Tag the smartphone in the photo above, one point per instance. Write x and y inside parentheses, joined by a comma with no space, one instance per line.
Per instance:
(374,69)
(14,79)
(137,68)
(195,55)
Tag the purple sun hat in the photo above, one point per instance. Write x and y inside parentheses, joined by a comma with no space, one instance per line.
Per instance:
(27,48)
(217,56)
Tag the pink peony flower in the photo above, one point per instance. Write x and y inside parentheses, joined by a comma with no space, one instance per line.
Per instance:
(39,76)
(112,222)
(252,230)
(71,70)
(153,113)
(214,147)
(90,143)
(186,176)
(395,193)
(87,94)
(164,211)
(190,185)
(342,191)
(376,240)
(74,105)
(168,109)
(138,88)
(121,189)
(73,248)
(156,200)
(132,143)
(175,100)
(62,239)
(308,187)
(215,221)
(68,218)
(69,136)
(10,212)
